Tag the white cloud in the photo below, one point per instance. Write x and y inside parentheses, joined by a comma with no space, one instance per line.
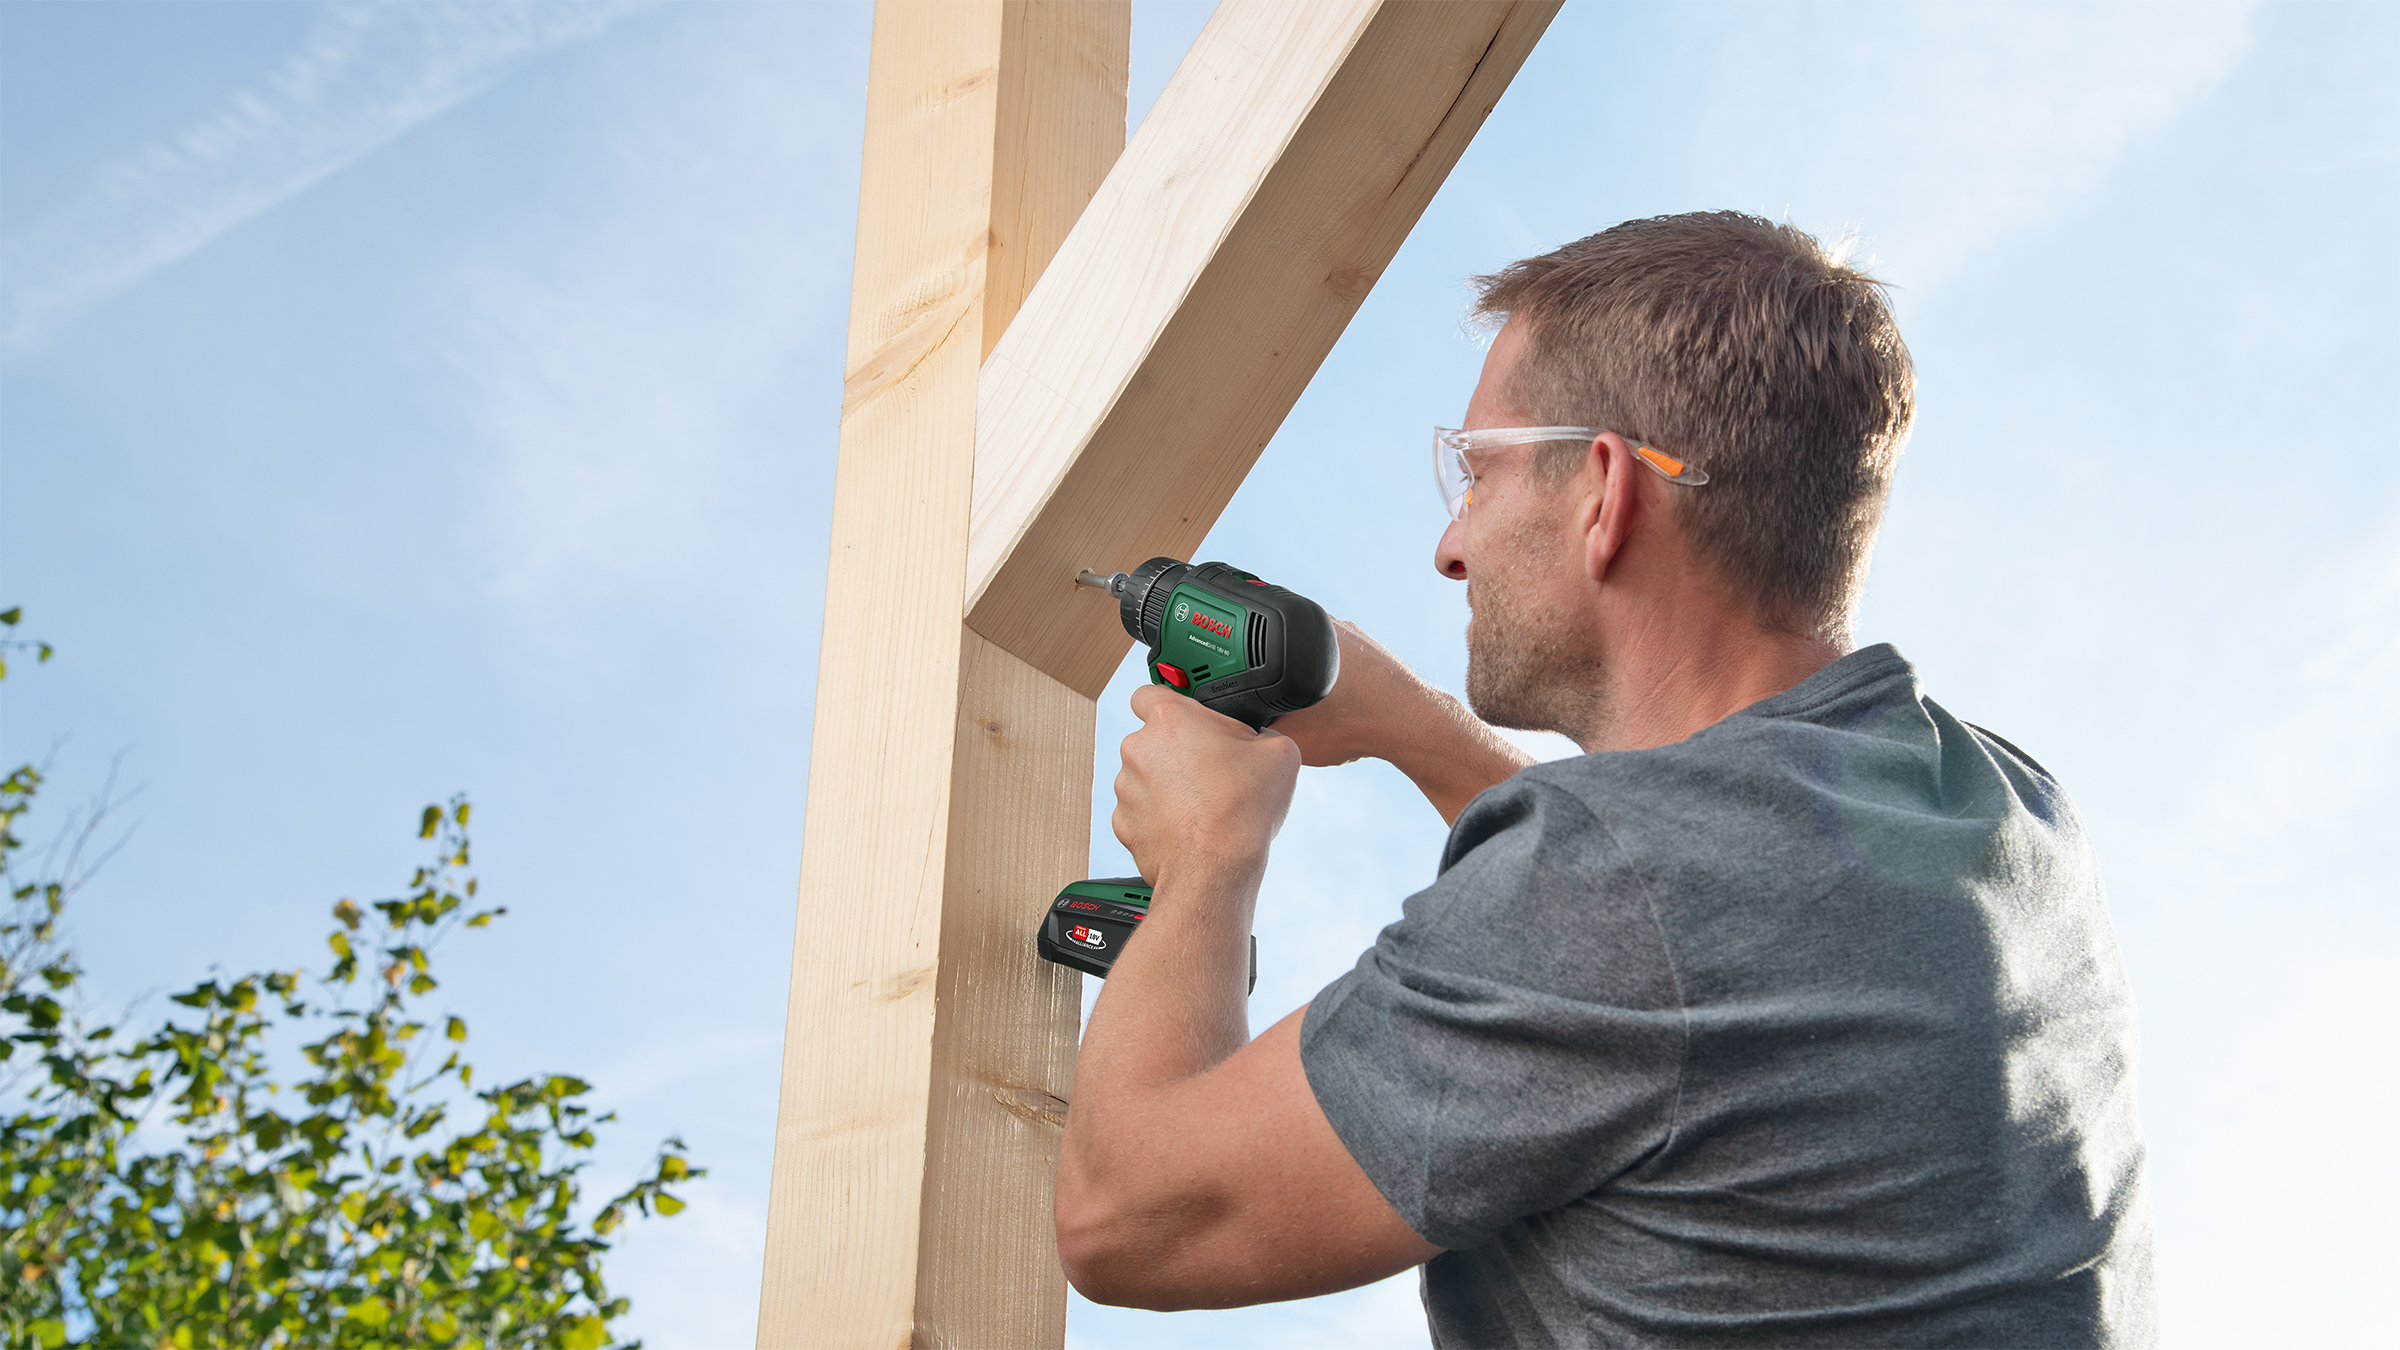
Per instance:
(2313,784)
(366,74)
(630,357)
(2262,933)
(1940,129)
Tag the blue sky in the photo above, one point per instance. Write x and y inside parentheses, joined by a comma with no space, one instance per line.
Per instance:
(403,399)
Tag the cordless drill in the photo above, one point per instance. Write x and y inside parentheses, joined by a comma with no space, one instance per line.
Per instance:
(1247,648)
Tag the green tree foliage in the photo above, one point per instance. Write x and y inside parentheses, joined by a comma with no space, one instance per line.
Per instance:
(347,1208)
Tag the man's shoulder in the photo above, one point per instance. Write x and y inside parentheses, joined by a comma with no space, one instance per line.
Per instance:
(1872,690)
(1853,764)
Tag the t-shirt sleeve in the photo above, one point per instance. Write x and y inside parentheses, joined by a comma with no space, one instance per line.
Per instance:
(1515,1040)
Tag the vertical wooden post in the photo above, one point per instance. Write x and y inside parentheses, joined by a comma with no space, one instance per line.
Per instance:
(927,1053)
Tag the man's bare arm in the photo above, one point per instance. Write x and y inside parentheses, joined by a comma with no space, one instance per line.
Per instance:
(1197,1169)
(1379,709)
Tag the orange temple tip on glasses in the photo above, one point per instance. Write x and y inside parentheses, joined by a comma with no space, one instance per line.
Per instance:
(1666,464)
(1675,469)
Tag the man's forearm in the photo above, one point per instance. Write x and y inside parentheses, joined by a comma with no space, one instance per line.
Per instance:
(1177,999)
(1452,755)
(1198,1169)
(1380,709)
(1175,1006)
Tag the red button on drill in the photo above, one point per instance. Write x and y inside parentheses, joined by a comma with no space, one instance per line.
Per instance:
(1174,676)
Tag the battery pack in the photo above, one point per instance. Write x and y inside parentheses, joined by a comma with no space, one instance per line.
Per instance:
(1091,921)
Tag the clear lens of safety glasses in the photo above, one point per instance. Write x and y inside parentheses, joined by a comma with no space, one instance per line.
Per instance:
(1456,481)
(1451,476)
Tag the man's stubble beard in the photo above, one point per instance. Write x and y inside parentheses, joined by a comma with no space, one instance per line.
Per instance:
(1526,669)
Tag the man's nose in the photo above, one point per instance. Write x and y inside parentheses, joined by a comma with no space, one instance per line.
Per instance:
(1450,554)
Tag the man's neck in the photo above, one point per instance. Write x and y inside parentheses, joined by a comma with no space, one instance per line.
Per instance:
(1675,677)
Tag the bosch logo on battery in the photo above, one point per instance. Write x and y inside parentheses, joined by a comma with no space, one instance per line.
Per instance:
(1220,629)
(1081,904)
(1087,937)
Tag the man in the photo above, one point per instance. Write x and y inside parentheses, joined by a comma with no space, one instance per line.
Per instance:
(1788,1014)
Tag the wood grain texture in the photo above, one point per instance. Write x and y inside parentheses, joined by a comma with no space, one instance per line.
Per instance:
(1004,1042)
(1266,192)
(989,125)
(1063,111)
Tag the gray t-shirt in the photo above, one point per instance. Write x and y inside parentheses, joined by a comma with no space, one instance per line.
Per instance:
(1808,1030)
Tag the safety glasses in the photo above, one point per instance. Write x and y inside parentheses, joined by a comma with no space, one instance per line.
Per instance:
(1454,478)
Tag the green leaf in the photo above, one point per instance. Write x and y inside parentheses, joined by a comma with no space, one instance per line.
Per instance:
(10,616)
(431,818)
(227,1223)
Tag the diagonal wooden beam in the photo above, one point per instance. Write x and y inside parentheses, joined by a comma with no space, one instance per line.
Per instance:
(1265,193)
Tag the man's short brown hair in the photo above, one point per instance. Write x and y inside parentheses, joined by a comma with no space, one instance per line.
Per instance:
(1746,348)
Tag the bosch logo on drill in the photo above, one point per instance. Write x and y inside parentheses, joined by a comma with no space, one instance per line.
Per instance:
(1220,629)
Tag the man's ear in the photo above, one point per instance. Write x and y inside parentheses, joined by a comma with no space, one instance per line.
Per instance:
(1609,503)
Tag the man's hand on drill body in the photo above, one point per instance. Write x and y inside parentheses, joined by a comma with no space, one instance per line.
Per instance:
(1379,709)
(1197,790)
